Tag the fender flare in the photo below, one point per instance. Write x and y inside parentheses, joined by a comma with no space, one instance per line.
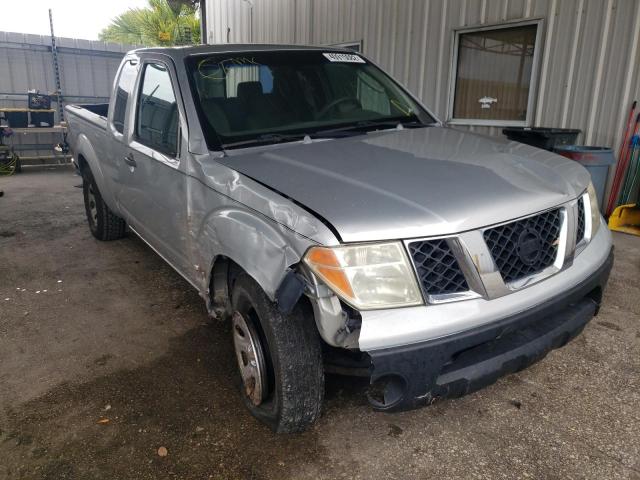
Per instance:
(85,149)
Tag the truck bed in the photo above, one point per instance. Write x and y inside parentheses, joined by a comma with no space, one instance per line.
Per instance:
(90,116)
(92,112)
(97,108)
(87,123)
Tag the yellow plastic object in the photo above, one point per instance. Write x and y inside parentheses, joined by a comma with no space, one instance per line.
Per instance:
(626,218)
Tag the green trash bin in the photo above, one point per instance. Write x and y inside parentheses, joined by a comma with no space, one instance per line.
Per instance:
(596,160)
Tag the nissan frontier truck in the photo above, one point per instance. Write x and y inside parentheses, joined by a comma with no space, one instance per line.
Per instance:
(338,226)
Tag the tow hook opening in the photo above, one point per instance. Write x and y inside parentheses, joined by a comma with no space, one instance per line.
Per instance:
(386,391)
(289,292)
(596,296)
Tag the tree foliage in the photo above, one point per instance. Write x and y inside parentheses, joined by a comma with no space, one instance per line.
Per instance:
(163,23)
(176,5)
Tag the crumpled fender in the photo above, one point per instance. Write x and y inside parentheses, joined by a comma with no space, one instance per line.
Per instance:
(264,249)
(234,216)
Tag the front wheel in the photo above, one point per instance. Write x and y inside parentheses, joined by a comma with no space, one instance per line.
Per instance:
(279,359)
(103,223)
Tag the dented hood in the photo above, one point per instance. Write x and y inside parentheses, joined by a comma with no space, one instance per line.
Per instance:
(412,183)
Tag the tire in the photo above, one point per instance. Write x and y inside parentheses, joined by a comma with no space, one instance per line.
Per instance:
(103,223)
(288,346)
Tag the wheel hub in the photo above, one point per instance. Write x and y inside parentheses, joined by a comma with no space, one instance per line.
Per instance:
(93,208)
(250,356)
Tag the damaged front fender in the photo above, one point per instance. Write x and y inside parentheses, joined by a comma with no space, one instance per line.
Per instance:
(254,244)
(265,234)
(243,220)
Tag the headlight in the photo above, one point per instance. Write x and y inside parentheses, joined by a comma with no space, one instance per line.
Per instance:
(595,212)
(367,276)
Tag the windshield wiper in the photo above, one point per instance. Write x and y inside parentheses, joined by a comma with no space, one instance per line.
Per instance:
(369,125)
(344,131)
(267,139)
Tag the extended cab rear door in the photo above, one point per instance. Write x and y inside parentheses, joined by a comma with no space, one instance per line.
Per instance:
(119,109)
(152,168)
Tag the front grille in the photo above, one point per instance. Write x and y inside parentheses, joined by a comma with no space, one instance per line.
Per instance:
(437,267)
(507,247)
(581,221)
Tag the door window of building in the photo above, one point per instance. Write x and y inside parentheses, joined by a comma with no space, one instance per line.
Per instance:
(494,74)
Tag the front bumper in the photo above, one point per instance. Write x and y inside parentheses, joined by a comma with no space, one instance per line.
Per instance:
(451,366)
(396,327)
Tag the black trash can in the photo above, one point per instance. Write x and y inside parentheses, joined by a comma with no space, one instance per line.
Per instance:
(546,138)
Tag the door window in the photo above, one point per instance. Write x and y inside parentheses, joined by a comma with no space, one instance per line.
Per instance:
(124,88)
(157,115)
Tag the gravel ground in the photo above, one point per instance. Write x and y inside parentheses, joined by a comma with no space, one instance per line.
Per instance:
(106,356)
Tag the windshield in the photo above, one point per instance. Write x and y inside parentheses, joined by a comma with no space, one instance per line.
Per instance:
(266,97)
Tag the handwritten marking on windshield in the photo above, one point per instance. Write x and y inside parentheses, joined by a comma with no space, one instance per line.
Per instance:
(221,68)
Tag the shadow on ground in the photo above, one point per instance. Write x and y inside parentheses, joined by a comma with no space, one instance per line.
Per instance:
(185,401)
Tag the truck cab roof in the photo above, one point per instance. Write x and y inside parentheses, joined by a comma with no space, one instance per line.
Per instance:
(184,51)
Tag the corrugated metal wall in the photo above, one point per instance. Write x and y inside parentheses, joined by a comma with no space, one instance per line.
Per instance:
(589,72)
(87,69)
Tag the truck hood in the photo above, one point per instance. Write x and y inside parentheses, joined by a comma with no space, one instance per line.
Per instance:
(413,183)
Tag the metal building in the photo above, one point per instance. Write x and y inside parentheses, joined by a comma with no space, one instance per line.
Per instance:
(87,69)
(554,63)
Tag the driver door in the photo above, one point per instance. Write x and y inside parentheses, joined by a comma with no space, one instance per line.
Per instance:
(154,192)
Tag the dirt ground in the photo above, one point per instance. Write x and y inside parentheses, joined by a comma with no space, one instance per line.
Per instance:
(106,355)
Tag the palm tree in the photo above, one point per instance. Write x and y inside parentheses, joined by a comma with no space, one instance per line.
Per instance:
(163,23)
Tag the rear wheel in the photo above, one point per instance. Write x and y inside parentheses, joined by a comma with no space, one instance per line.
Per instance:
(279,359)
(103,223)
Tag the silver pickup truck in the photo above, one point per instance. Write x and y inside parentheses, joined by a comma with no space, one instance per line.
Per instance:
(338,226)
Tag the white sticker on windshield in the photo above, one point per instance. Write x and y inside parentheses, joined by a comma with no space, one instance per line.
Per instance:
(344,57)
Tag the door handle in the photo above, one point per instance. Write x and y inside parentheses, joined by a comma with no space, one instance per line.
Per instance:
(129,160)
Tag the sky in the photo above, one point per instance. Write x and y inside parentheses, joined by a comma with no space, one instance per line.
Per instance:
(71,18)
